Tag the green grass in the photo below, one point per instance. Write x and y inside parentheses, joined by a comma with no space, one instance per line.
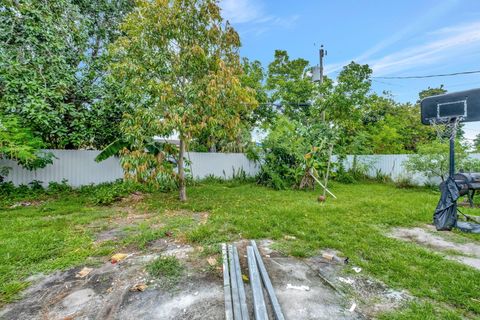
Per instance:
(169,269)
(356,224)
(53,235)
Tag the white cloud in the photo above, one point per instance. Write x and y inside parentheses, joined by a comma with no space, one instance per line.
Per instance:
(410,29)
(251,12)
(446,44)
(241,11)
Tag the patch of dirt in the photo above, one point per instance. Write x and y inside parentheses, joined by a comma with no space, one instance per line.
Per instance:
(110,235)
(116,224)
(108,291)
(200,217)
(105,293)
(300,292)
(469,253)
(32,203)
(134,197)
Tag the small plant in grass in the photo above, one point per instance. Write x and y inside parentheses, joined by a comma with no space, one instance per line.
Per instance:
(56,187)
(108,193)
(168,268)
(382,177)
(404,182)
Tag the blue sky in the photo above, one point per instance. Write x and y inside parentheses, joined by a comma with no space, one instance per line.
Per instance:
(396,38)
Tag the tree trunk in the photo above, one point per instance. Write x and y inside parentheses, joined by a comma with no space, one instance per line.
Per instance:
(181,172)
(328,170)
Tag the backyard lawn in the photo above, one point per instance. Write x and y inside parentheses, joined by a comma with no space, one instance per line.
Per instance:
(59,231)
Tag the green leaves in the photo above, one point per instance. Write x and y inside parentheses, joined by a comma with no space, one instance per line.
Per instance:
(52,58)
(290,86)
(18,143)
(177,65)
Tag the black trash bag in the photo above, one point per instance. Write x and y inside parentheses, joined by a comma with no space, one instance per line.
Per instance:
(445,216)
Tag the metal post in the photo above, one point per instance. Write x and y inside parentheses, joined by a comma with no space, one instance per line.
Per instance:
(452,148)
(322,53)
(452,156)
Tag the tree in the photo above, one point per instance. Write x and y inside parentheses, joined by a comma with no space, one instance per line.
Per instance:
(394,127)
(431,92)
(345,102)
(212,140)
(432,160)
(52,67)
(18,143)
(290,86)
(254,77)
(178,65)
(476,143)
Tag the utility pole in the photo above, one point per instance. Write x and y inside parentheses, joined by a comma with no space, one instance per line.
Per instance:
(322,53)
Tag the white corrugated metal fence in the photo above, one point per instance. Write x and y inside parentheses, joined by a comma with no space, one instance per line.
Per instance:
(78,167)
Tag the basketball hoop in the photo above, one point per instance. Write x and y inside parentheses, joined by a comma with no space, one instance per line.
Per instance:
(444,113)
(445,128)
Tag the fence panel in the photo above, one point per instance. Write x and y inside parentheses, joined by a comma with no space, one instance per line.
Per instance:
(79,168)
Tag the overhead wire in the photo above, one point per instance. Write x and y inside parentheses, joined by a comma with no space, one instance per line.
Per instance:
(430,75)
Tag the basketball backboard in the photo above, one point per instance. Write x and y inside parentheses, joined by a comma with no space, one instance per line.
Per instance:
(444,107)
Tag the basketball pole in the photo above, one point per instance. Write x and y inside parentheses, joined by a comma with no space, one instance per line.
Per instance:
(452,148)
(452,155)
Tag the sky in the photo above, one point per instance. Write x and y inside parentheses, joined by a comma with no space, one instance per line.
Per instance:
(396,38)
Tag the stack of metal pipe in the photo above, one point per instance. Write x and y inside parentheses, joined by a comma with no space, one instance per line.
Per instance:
(235,297)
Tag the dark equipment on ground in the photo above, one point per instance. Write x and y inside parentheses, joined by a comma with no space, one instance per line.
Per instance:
(449,110)
(468,184)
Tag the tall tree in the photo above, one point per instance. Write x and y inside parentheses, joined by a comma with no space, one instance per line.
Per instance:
(52,58)
(178,65)
(345,103)
(431,92)
(290,85)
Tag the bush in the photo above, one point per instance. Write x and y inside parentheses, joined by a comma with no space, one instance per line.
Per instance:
(344,176)
(404,182)
(7,188)
(290,150)
(432,160)
(382,177)
(55,187)
(108,193)
(36,185)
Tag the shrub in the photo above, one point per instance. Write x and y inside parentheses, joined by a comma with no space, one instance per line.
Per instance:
(404,182)
(344,176)
(108,193)
(55,187)
(290,150)
(36,185)
(7,188)
(382,177)
(432,160)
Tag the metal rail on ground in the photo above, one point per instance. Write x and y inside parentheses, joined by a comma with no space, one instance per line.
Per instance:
(241,288)
(237,311)
(277,310)
(259,307)
(226,285)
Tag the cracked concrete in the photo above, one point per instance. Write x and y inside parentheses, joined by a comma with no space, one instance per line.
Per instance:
(105,293)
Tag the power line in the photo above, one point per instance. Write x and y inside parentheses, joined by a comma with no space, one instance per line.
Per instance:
(431,75)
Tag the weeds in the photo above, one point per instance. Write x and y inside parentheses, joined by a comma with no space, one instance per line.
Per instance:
(167,268)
